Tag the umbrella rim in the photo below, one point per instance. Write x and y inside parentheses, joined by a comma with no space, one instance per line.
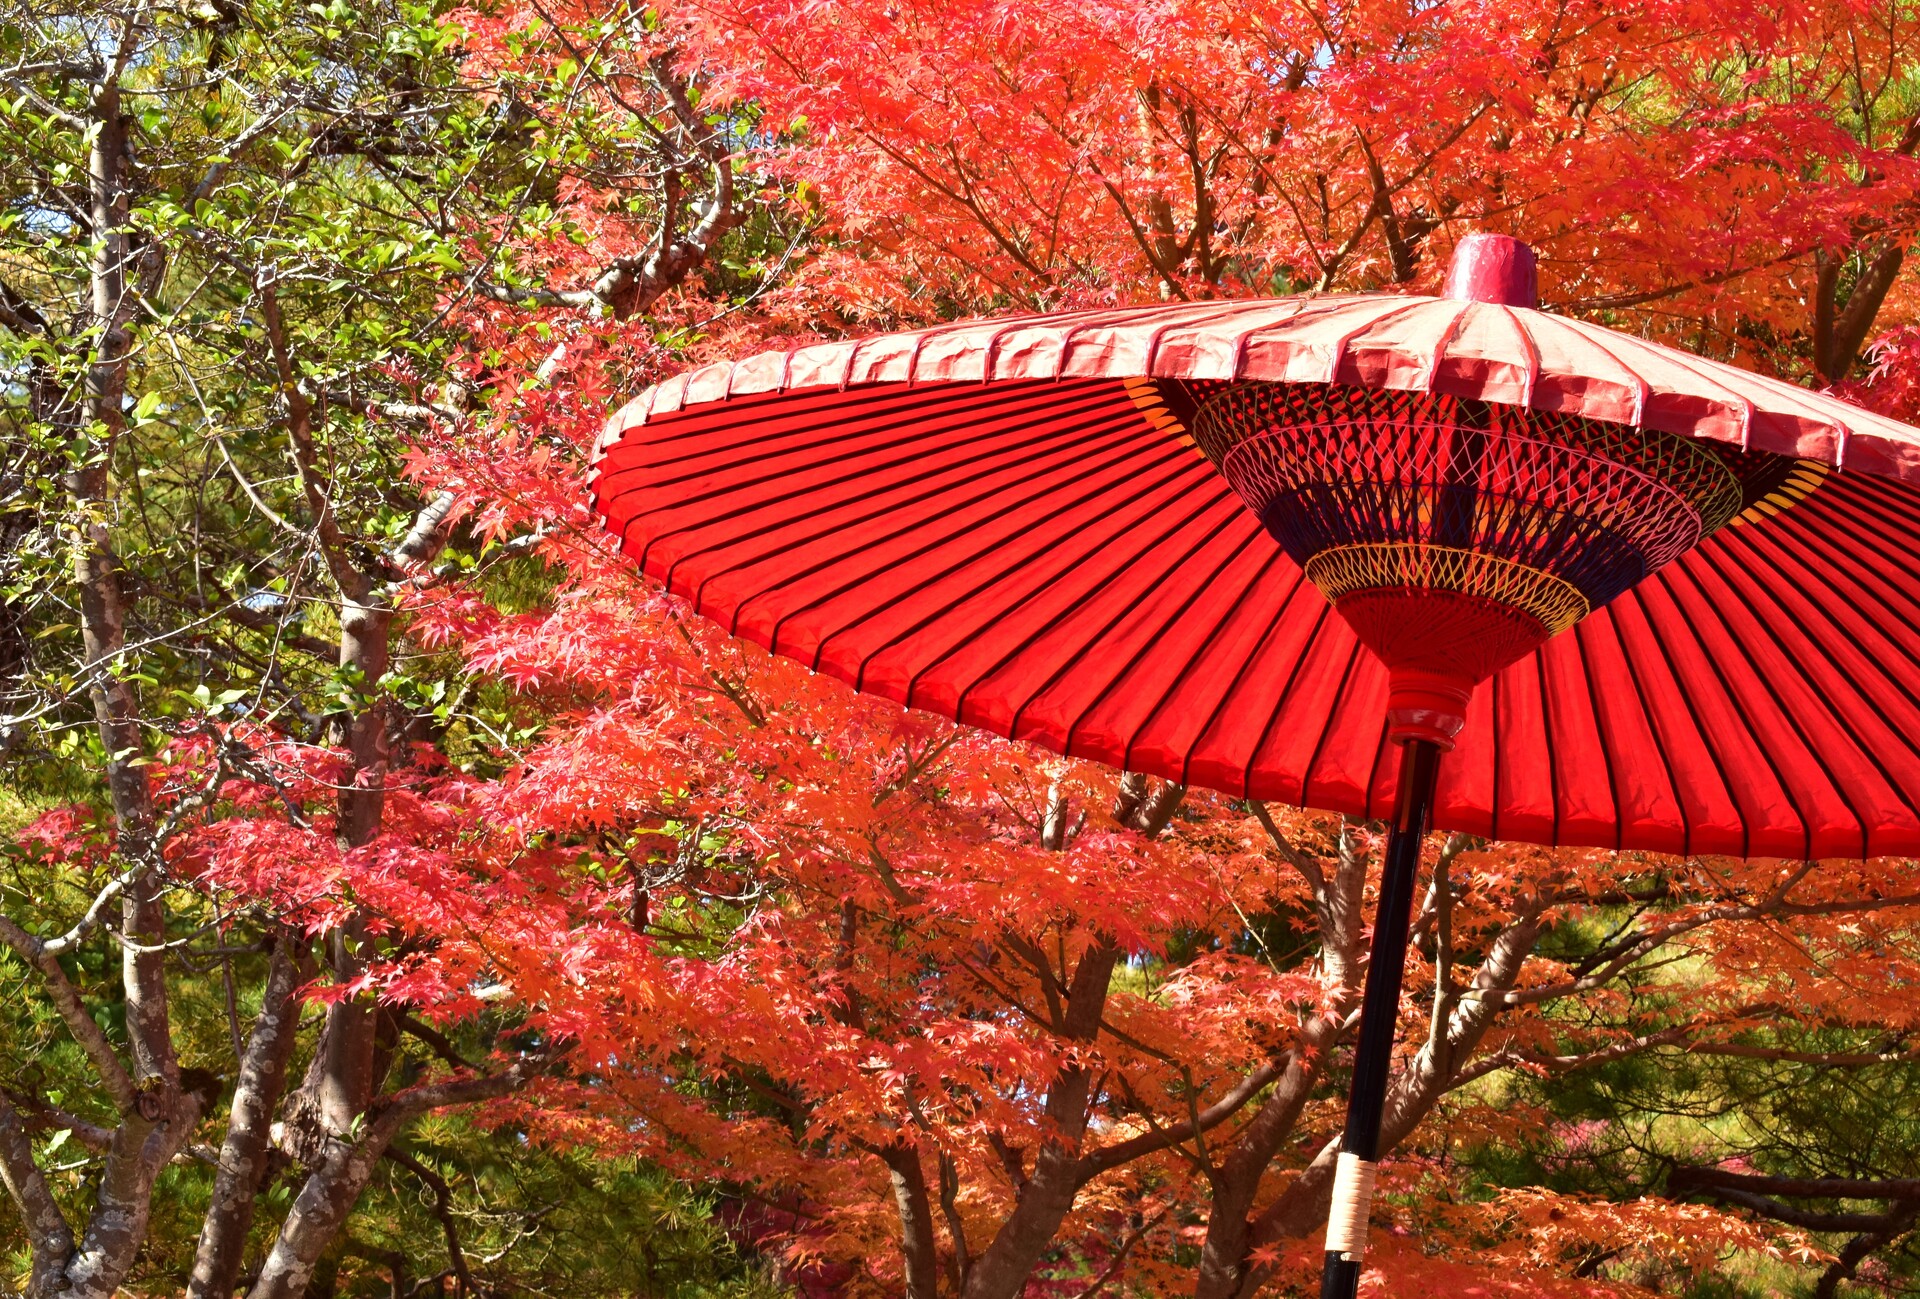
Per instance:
(1751,409)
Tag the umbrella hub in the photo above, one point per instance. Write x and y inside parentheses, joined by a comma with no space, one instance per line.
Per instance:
(1457,535)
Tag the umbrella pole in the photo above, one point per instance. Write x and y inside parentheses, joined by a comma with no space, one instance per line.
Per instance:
(1379,1014)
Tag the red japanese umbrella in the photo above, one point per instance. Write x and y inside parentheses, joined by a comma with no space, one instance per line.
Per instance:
(1640,599)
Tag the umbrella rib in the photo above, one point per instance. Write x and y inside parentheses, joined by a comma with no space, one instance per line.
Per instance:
(1080,652)
(852,475)
(1682,361)
(1863,593)
(871,440)
(1244,339)
(1120,449)
(1104,487)
(1652,719)
(1747,409)
(1199,317)
(1090,493)
(846,369)
(1546,726)
(1326,725)
(1227,611)
(1447,335)
(1533,354)
(685,380)
(1886,511)
(1239,674)
(1837,716)
(1280,700)
(1149,643)
(1693,712)
(1380,747)
(913,682)
(825,407)
(896,414)
(1083,437)
(1766,684)
(989,353)
(1642,390)
(1854,602)
(1602,731)
(1493,819)
(1833,524)
(1065,346)
(921,336)
(1341,344)
(944,539)
(954,645)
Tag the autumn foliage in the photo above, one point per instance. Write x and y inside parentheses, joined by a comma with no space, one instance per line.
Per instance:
(925,1011)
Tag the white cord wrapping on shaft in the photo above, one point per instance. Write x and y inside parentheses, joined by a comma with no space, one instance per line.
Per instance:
(1352,1203)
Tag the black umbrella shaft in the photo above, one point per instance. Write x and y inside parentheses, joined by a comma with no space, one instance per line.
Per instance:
(1379,1013)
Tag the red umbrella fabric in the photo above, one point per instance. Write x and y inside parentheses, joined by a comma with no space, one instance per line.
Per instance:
(1006,522)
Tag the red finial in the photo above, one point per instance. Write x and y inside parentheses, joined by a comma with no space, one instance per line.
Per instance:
(1493,268)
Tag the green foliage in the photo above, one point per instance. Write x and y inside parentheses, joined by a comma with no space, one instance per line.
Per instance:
(316,193)
(529,1219)
(1794,1104)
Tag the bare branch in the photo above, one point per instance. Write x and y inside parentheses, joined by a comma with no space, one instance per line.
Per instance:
(1161,1137)
(334,1186)
(1309,868)
(353,583)
(1817,1188)
(243,1154)
(47,1230)
(443,1211)
(73,1011)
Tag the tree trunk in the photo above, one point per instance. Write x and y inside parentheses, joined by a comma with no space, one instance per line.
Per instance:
(162,1116)
(1839,332)
(1339,901)
(244,1153)
(48,1234)
(1003,1268)
(1236,1183)
(343,1080)
(916,1221)
(334,1186)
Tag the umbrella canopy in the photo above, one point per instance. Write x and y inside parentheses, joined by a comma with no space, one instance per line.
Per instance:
(1008,522)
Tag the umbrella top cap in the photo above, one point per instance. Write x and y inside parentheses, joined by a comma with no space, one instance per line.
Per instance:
(1494,268)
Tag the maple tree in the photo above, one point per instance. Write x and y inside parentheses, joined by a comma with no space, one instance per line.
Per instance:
(1737,176)
(506,831)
